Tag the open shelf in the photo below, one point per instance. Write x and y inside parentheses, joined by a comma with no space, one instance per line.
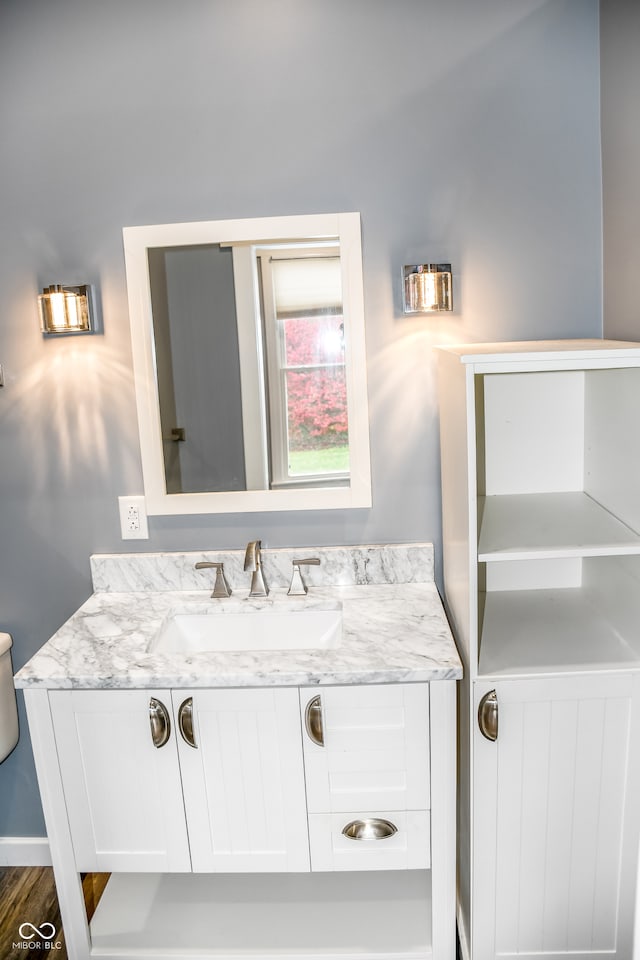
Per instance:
(529,632)
(538,525)
(381,916)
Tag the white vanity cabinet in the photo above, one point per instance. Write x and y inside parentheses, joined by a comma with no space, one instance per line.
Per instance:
(541,528)
(203,780)
(221,819)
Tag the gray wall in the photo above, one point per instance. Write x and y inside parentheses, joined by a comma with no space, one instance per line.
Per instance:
(462,130)
(620,78)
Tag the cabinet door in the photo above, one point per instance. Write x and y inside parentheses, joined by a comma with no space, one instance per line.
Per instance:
(556,819)
(243,777)
(123,794)
(375,747)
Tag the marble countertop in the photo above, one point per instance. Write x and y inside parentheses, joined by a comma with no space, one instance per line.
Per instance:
(391,632)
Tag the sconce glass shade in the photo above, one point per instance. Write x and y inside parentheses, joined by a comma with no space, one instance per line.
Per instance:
(427,287)
(66,310)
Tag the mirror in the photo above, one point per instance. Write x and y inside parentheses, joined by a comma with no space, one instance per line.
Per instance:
(249,363)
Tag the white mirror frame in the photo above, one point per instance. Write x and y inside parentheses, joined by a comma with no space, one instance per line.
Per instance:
(137,242)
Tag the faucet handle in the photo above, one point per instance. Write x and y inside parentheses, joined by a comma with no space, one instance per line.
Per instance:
(221,588)
(297,587)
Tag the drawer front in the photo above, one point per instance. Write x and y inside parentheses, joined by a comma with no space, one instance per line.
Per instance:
(409,848)
(375,750)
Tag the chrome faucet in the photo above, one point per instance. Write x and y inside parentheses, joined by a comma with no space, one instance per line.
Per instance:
(252,561)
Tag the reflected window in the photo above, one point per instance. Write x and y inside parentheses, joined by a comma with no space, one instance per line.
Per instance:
(304,336)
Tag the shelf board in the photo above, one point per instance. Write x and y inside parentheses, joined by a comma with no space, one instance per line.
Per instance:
(381,915)
(550,525)
(526,632)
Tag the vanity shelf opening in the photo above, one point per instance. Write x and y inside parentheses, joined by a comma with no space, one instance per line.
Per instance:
(373,915)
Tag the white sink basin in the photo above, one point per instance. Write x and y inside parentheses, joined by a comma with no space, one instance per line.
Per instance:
(251,630)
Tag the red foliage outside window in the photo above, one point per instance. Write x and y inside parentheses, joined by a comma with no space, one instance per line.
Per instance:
(316,397)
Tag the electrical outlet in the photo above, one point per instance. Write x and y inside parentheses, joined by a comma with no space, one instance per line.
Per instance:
(133,518)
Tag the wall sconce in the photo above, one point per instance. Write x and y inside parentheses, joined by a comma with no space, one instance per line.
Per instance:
(427,287)
(66,309)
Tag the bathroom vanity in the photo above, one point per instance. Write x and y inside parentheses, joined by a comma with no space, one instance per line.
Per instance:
(248,802)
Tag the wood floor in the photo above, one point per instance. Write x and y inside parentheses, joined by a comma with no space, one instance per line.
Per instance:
(28,900)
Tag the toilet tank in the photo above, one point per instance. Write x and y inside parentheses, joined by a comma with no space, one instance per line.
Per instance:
(8,706)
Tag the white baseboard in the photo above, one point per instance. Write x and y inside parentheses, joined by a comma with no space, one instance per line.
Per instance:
(24,852)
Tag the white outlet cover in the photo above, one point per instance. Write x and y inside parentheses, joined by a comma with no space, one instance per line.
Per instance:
(133,518)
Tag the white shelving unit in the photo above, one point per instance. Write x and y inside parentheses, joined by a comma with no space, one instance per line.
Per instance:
(541,523)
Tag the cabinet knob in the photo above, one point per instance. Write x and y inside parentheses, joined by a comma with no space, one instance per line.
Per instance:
(373,828)
(313,721)
(185,722)
(160,722)
(488,715)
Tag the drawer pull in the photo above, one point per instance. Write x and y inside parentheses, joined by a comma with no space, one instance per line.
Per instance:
(370,829)
(159,722)
(488,716)
(185,722)
(313,721)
